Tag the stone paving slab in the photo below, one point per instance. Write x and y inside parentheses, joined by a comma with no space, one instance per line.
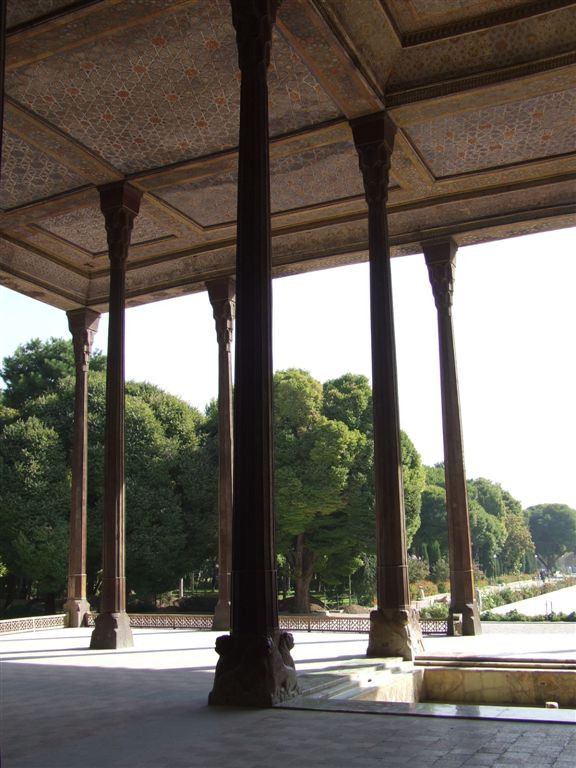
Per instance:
(64,706)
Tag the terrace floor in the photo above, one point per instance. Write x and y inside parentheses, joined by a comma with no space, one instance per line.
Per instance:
(64,706)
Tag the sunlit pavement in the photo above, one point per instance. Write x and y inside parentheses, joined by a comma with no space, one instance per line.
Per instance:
(65,706)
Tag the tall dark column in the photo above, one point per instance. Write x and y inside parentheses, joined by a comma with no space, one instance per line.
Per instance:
(394,628)
(2,68)
(222,294)
(119,203)
(255,666)
(441,262)
(83,324)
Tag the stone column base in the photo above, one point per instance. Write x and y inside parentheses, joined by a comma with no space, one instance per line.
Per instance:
(254,670)
(76,608)
(221,620)
(464,620)
(395,633)
(112,631)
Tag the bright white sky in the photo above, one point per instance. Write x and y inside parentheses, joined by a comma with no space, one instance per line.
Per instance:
(514,322)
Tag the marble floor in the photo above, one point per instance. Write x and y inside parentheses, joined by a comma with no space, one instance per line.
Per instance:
(64,706)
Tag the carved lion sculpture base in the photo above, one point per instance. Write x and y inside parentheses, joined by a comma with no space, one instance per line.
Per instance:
(254,670)
(395,633)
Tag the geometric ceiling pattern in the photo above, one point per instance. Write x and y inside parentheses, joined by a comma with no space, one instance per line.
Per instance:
(315,176)
(482,93)
(180,80)
(28,174)
(543,126)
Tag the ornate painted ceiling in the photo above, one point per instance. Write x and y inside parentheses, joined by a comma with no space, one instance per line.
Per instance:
(482,92)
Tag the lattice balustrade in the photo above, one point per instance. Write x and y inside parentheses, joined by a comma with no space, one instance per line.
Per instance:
(34,623)
(294,623)
(434,626)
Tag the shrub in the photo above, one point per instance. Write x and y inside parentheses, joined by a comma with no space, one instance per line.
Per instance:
(435,611)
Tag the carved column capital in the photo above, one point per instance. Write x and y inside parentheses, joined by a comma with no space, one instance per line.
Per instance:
(441,262)
(374,140)
(222,295)
(120,203)
(83,324)
(253,21)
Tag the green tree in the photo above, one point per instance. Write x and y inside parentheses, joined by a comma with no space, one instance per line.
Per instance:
(414,477)
(553,529)
(434,522)
(488,495)
(436,475)
(488,536)
(349,399)
(198,480)
(313,458)
(34,504)
(36,368)
(518,549)
(162,438)
(324,478)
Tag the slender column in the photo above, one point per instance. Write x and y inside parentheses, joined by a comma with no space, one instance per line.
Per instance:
(119,203)
(222,294)
(255,666)
(2,68)
(441,262)
(394,628)
(83,324)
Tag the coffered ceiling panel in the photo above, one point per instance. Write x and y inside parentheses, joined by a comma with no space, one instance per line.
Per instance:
(504,45)
(298,180)
(481,91)
(500,136)
(413,15)
(174,97)
(27,10)
(28,174)
(85,229)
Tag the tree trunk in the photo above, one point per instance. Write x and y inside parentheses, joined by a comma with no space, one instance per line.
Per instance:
(303,561)
(50,603)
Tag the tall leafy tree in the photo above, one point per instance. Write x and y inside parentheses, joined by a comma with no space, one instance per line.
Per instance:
(36,367)
(313,456)
(433,531)
(553,528)
(488,536)
(488,495)
(34,504)
(161,436)
(500,535)
(324,477)
(349,399)
(518,549)
(198,480)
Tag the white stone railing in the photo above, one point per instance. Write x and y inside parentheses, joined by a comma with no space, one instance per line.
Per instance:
(34,623)
(314,622)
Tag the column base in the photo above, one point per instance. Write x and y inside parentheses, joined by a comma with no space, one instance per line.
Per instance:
(395,633)
(221,620)
(76,608)
(112,631)
(464,620)
(254,670)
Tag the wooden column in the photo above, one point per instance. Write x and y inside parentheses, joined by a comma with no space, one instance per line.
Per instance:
(119,203)
(394,628)
(222,294)
(2,70)
(83,324)
(255,666)
(441,262)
